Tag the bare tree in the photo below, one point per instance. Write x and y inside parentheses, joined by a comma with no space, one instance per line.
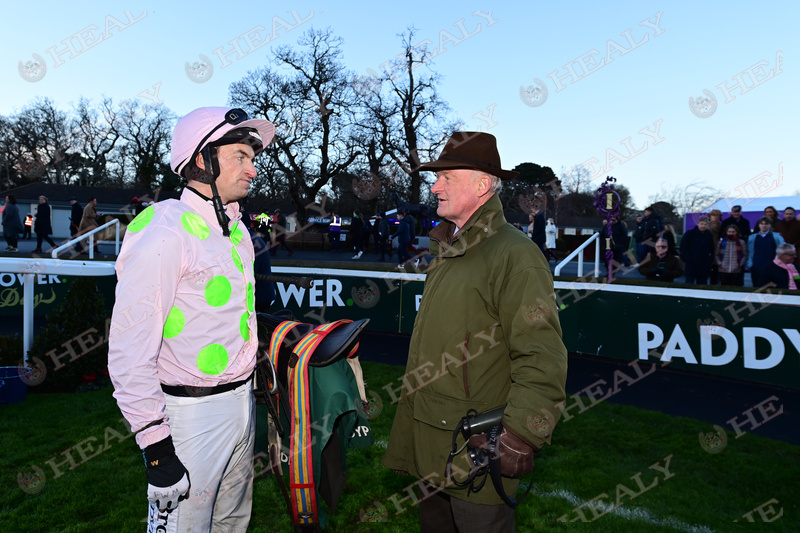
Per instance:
(147,133)
(95,138)
(42,137)
(313,108)
(693,198)
(577,179)
(411,122)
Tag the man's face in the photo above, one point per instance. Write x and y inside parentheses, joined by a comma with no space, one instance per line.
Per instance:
(42,200)
(235,171)
(702,225)
(788,214)
(764,226)
(458,194)
(736,214)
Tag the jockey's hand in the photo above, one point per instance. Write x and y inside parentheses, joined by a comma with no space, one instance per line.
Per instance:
(167,478)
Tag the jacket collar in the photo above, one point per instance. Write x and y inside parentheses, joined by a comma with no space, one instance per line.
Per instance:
(205,208)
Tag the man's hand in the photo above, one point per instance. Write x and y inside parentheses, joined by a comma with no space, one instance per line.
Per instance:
(167,478)
(516,455)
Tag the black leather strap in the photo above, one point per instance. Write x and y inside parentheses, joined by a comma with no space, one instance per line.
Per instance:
(187,391)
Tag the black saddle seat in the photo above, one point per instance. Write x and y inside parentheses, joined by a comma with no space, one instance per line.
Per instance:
(335,345)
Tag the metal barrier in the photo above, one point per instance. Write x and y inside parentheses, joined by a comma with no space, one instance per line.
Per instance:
(90,236)
(32,267)
(579,252)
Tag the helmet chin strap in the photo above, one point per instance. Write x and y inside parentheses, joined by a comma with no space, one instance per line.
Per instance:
(219,209)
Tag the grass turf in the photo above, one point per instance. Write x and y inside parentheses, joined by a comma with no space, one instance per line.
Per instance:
(81,471)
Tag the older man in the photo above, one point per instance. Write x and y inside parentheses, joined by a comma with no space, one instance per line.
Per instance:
(486,335)
(183,342)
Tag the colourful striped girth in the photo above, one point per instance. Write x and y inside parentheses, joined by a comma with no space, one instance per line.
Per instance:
(301,470)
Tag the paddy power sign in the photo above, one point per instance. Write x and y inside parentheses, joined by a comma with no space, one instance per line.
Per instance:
(752,336)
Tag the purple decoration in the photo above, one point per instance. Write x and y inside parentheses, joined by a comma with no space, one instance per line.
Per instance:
(607,202)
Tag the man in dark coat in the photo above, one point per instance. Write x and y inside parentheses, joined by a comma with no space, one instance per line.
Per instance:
(75,222)
(789,227)
(42,226)
(12,225)
(697,252)
(279,230)
(647,230)
(537,231)
(404,235)
(381,230)
(736,218)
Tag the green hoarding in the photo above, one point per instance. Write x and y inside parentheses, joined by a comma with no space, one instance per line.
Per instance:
(752,336)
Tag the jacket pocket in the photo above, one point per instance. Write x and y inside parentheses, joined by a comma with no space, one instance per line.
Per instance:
(443,413)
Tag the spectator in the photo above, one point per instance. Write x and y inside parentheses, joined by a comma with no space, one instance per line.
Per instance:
(404,234)
(536,229)
(551,232)
(366,231)
(335,231)
(619,239)
(42,225)
(89,221)
(26,234)
(715,224)
(647,229)
(789,227)
(76,214)
(356,228)
(661,265)
(264,290)
(381,231)
(12,225)
(761,248)
(736,218)
(264,225)
(668,234)
(783,271)
(731,257)
(278,230)
(138,205)
(772,214)
(697,252)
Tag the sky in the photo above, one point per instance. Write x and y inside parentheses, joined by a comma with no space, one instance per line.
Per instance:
(659,95)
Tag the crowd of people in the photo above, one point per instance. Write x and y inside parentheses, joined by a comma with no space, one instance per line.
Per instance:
(720,251)
(82,220)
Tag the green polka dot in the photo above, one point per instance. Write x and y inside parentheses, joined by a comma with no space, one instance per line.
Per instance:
(244,328)
(142,219)
(174,324)
(237,260)
(218,291)
(251,298)
(212,359)
(236,234)
(195,225)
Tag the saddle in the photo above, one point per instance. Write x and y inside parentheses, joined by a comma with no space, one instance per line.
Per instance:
(295,360)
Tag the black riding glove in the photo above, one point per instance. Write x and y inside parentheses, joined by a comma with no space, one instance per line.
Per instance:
(167,478)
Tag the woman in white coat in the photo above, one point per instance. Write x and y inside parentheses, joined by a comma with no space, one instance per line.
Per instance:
(550,231)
